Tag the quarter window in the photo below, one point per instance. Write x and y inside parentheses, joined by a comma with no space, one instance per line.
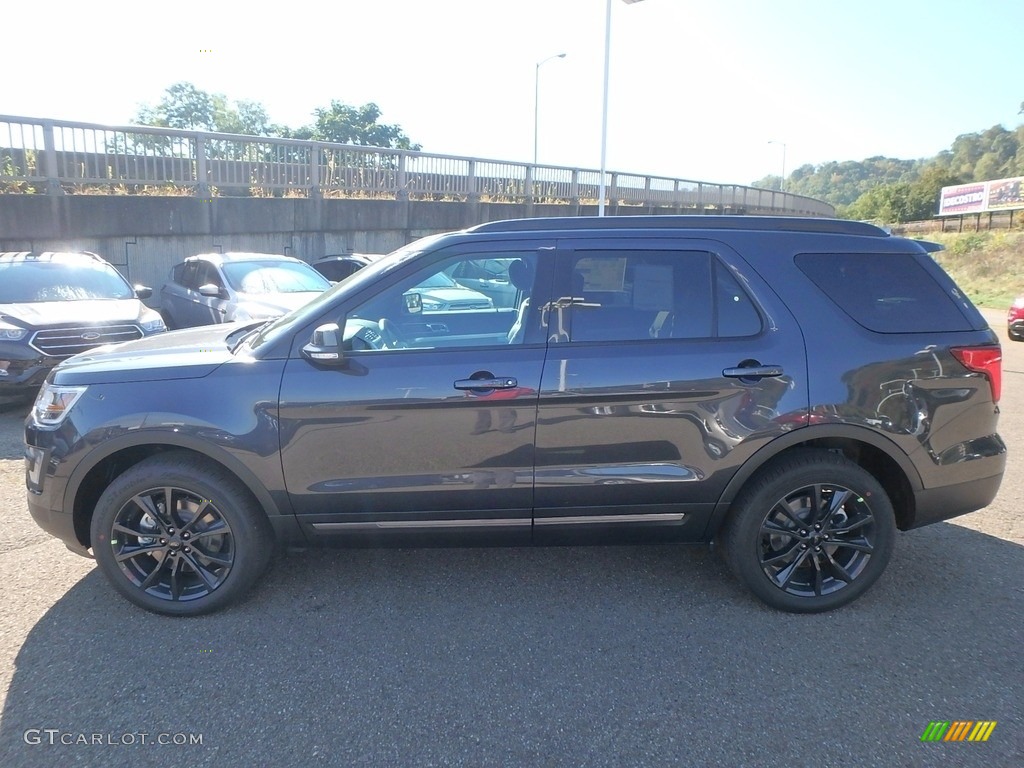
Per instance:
(884,292)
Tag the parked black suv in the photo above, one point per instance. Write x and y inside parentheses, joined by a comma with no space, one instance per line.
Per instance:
(54,305)
(795,389)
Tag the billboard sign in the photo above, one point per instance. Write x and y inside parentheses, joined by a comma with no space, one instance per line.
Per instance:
(981,196)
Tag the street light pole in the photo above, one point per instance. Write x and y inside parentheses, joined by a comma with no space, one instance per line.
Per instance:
(604,107)
(536,99)
(782,181)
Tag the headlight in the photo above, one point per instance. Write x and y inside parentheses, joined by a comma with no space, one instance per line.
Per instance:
(53,403)
(156,325)
(10,332)
(431,305)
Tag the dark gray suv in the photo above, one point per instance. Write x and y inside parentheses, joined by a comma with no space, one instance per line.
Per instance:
(794,389)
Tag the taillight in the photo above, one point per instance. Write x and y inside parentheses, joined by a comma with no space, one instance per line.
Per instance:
(987,360)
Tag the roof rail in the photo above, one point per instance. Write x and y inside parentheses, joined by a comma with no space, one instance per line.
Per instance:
(752,223)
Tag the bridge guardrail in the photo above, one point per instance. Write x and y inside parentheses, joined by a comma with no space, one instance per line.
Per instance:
(63,157)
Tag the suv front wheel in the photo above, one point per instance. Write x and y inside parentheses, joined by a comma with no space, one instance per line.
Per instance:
(178,536)
(812,533)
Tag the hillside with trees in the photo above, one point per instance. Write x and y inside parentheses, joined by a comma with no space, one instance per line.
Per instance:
(895,191)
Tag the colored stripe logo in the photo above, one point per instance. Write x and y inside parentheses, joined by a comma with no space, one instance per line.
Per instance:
(958,730)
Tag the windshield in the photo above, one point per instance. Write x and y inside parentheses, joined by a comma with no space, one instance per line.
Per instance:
(33,281)
(263,277)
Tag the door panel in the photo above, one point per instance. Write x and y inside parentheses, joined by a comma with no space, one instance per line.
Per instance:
(429,425)
(390,438)
(648,426)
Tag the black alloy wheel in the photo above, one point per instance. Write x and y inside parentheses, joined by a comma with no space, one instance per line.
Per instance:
(177,535)
(172,544)
(812,533)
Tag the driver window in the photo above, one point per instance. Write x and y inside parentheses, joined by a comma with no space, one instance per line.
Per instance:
(468,301)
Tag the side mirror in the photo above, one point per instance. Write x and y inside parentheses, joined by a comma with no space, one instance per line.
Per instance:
(324,346)
(413,303)
(211,290)
(143,291)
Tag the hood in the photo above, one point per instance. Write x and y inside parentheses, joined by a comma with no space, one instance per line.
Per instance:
(188,354)
(274,304)
(37,314)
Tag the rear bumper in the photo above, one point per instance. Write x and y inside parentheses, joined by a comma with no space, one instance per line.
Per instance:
(936,504)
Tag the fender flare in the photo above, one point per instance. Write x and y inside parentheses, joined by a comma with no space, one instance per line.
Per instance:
(177,440)
(791,439)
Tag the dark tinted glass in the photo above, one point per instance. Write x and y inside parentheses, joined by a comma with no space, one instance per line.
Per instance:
(632,296)
(884,292)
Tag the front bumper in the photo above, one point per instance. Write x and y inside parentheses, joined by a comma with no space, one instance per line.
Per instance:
(45,489)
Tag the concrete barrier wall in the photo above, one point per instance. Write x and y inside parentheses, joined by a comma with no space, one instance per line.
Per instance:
(145,236)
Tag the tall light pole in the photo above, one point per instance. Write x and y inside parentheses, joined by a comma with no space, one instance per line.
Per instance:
(604,108)
(536,99)
(782,182)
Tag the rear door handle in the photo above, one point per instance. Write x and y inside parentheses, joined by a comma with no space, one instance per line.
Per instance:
(753,372)
(498,382)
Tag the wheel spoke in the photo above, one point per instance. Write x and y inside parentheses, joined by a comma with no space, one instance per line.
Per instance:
(861,545)
(218,528)
(199,514)
(175,578)
(129,553)
(216,560)
(818,575)
(852,526)
(839,498)
(152,577)
(781,557)
(208,578)
(121,528)
(839,571)
(787,573)
(147,505)
(773,528)
(783,507)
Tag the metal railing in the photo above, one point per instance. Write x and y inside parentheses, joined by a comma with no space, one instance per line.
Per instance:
(61,157)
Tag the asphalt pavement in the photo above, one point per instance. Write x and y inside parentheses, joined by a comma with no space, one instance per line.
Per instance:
(567,656)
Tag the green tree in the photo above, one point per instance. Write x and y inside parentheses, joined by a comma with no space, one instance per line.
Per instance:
(345,124)
(183,105)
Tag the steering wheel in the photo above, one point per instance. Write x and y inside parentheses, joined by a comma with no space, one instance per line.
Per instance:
(392,337)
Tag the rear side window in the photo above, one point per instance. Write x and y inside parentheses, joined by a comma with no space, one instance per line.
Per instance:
(884,292)
(632,296)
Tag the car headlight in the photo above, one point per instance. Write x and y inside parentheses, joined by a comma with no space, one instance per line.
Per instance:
(53,403)
(431,305)
(155,325)
(10,332)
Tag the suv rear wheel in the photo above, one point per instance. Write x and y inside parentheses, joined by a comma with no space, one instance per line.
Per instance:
(812,533)
(178,536)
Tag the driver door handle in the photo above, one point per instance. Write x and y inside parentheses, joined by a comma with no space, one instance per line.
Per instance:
(502,382)
(753,372)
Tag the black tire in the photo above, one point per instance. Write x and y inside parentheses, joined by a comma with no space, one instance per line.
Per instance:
(770,541)
(201,556)
(166,317)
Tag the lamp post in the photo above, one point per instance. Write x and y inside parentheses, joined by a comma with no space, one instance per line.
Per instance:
(782,181)
(604,108)
(536,99)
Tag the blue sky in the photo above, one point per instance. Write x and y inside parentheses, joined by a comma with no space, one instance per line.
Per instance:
(698,87)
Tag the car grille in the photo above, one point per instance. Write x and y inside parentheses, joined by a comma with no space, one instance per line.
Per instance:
(469,304)
(64,342)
